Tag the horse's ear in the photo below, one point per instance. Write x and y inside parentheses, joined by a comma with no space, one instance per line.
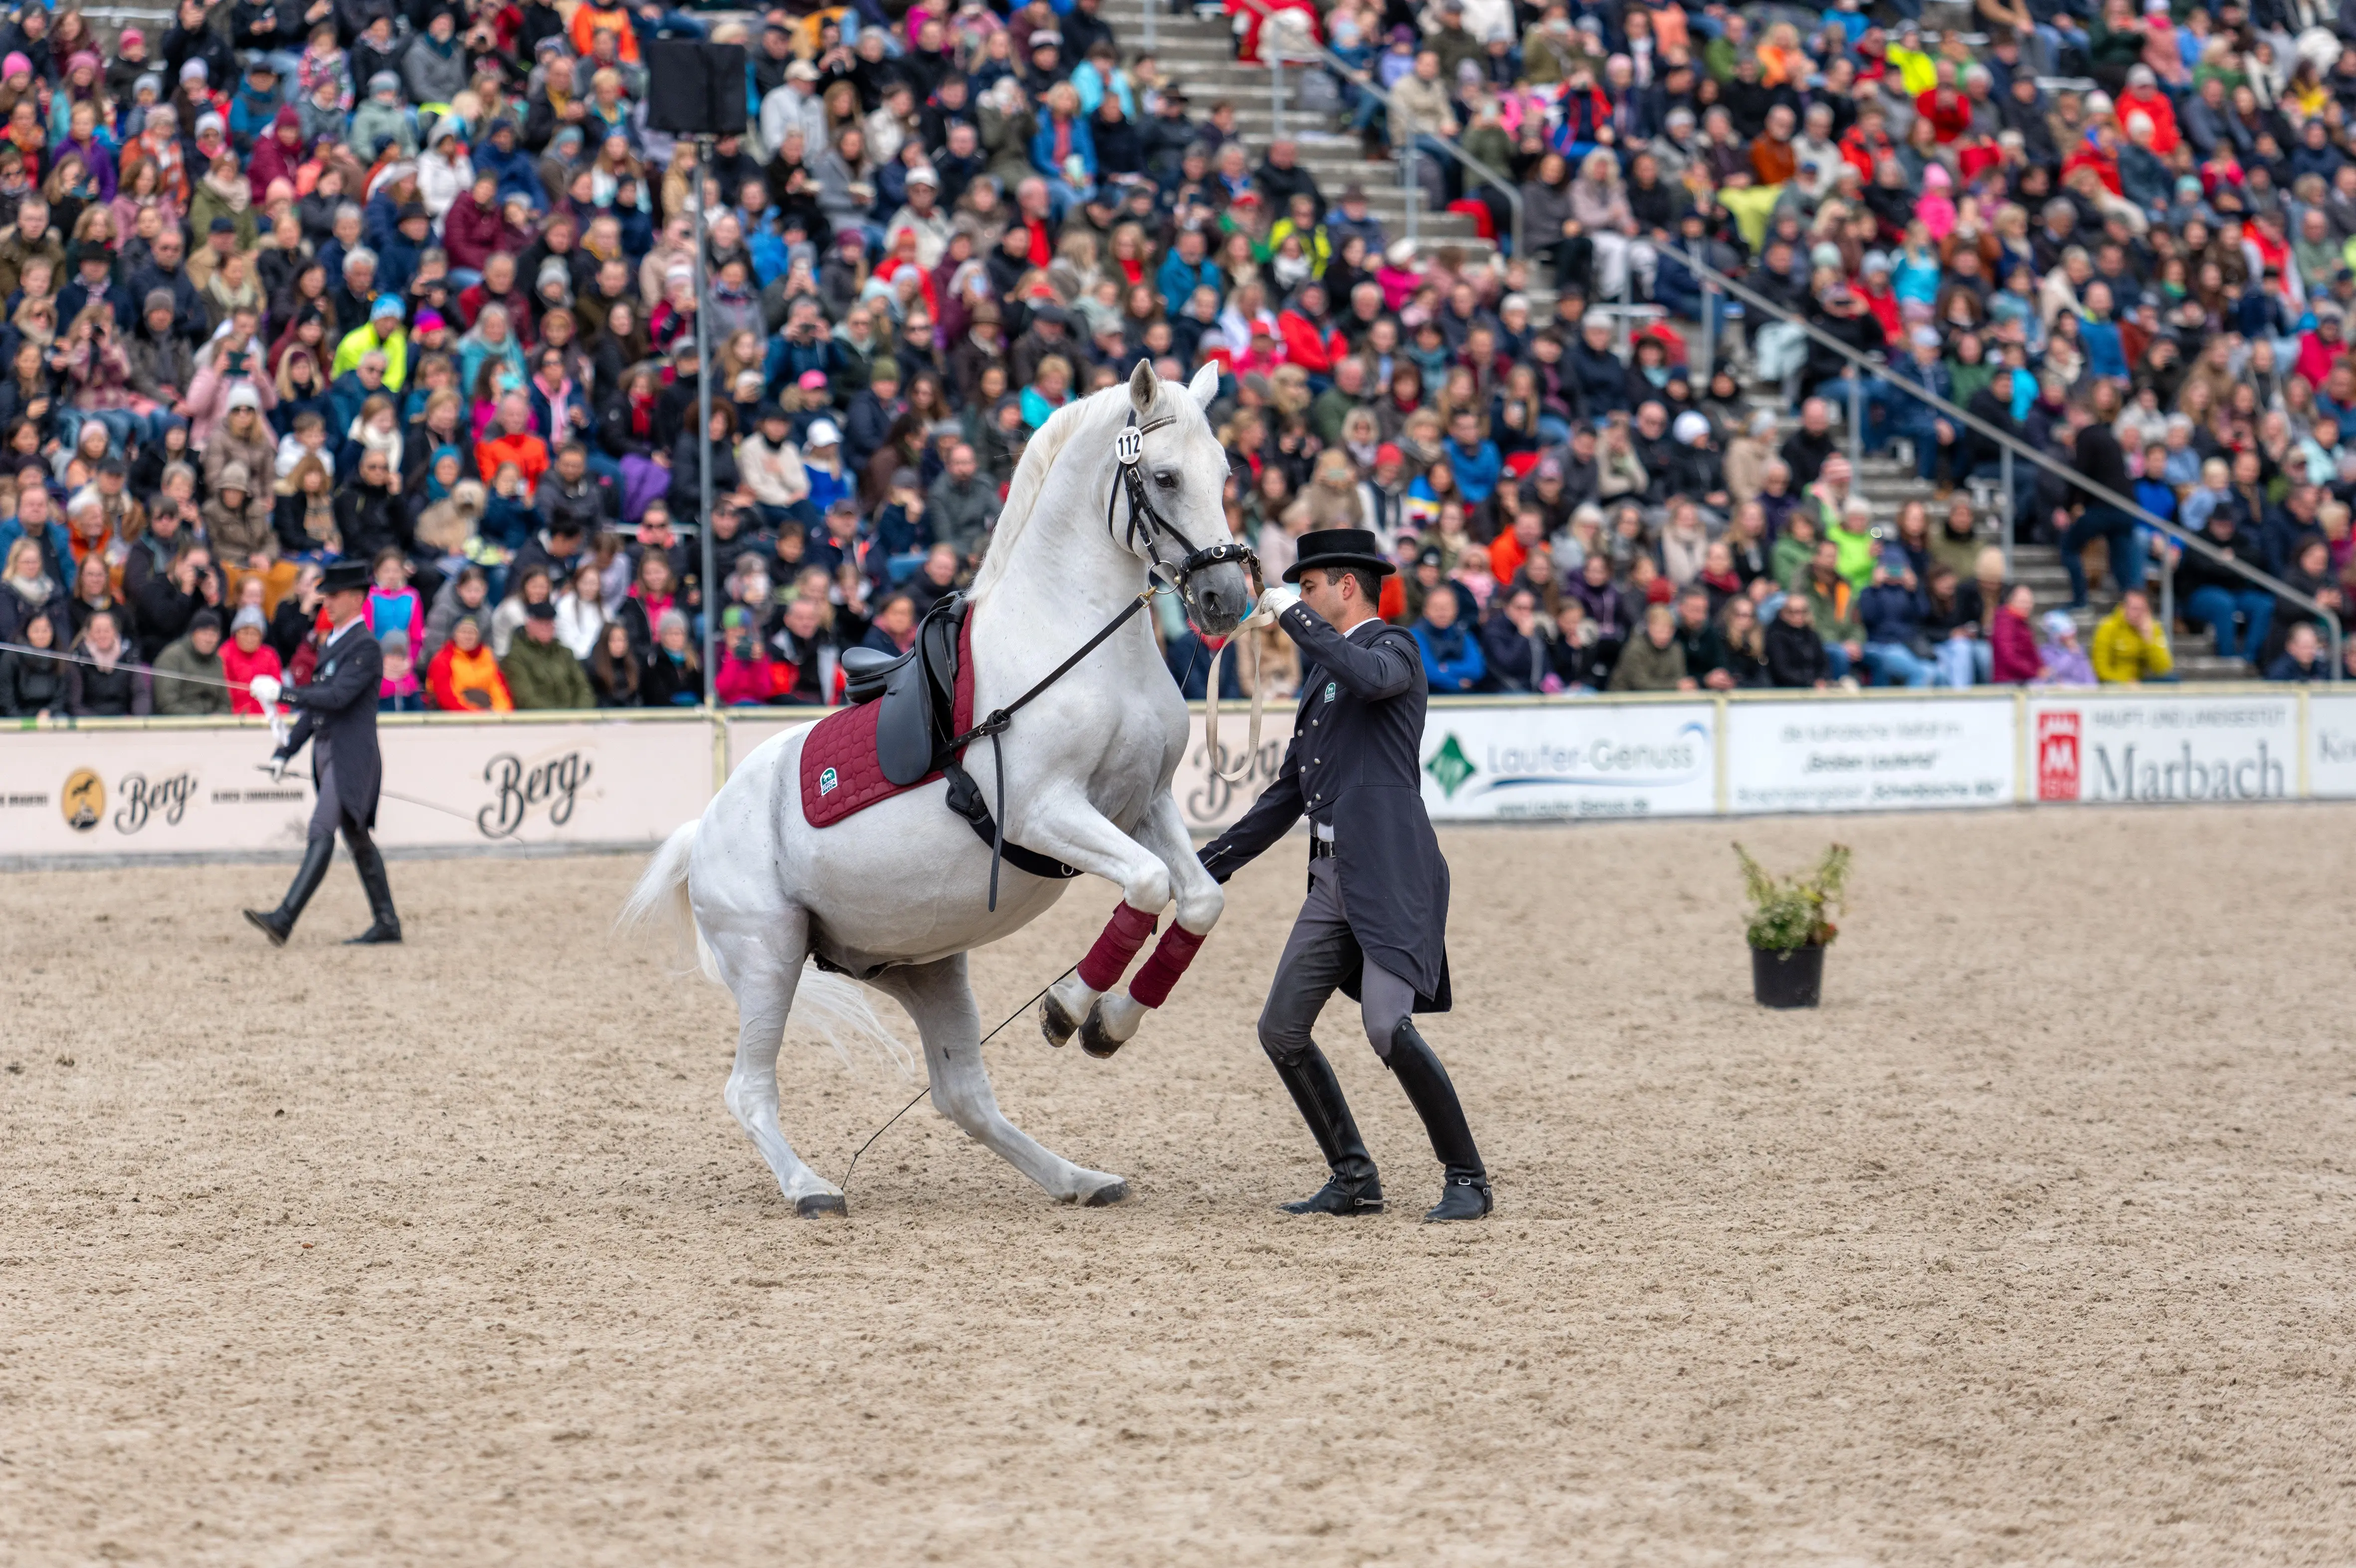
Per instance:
(1205,385)
(1143,387)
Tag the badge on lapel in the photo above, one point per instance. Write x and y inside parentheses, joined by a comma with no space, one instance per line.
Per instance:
(1332,690)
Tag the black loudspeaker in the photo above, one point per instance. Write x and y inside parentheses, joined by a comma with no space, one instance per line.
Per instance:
(695,89)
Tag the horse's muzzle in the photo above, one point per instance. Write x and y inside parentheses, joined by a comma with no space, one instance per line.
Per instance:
(1217,599)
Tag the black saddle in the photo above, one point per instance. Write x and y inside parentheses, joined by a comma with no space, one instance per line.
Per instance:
(917,689)
(915,733)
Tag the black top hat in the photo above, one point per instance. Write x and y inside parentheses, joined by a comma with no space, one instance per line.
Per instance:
(344,576)
(1338,547)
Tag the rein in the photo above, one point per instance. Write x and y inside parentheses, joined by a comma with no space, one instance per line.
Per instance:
(1146,523)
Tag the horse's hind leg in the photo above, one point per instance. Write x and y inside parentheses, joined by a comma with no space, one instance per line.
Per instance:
(762,969)
(938,998)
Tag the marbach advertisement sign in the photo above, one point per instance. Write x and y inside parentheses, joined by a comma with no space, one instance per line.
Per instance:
(1536,762)
(2152,750)
(1868,755)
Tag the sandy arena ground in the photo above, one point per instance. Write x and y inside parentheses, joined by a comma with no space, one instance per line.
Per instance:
(2033,1246)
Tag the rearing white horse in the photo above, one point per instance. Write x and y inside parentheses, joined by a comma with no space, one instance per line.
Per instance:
(898,893)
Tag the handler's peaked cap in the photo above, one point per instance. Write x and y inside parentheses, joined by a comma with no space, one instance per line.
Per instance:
(1339,547)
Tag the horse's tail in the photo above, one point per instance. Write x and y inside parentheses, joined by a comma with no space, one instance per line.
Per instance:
(840,1011)
(662,889)
(835,1007)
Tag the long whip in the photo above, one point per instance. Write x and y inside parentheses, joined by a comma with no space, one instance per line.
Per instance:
(928,1088)
(131,664)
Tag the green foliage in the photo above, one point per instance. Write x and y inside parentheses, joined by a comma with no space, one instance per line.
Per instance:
(1787,913)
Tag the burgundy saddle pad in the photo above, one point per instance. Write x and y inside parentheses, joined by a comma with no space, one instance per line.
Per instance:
(839,772)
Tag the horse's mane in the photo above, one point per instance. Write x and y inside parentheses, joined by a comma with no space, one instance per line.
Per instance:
(1031,476)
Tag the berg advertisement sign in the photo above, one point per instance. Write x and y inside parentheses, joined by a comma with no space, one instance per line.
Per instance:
(1534,763)
(2159,750)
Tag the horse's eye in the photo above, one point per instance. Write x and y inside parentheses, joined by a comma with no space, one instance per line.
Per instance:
(1166,480)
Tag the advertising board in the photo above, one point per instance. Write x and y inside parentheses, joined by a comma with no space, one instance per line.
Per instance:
(2331,746)
(2087,748)
(1532,762)
(202,790)
(1880,756)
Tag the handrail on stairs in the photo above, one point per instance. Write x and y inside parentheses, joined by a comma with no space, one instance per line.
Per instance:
(1366,82)
(2183,538)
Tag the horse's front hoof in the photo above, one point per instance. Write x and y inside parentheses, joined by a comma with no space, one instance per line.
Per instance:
(821,1205)
(1095,1037)
(1054,1022)
(1106,1196)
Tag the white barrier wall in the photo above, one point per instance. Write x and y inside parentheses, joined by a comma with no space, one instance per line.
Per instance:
(1883,755)
(1538,762)
(2137,749)
(2331,750)
(177,789)
(136,787)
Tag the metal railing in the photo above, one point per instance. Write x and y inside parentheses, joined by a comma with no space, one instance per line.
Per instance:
(2013,449)
(1408,184)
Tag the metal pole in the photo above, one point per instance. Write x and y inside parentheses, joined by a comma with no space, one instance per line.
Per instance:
(1708,326)
(1855,427)
(1275,96)
(2168,600)
(1411,187)
(2005,469)
(1151,6)
(703,418)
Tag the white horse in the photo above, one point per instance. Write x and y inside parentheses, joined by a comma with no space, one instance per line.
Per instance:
(897,894)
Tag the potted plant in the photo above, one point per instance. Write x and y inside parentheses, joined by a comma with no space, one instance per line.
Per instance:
(1790,927)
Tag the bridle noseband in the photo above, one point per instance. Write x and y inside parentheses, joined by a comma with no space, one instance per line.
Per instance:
(1146,523)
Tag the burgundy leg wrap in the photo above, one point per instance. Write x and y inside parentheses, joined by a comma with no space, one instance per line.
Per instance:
(1171,956)
(1123,935)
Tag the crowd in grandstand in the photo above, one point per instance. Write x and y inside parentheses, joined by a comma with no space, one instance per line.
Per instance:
(414,283)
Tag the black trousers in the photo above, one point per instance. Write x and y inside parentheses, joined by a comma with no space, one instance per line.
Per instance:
(1318,956)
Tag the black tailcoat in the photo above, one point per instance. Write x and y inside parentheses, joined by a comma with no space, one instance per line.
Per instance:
(1356,763)
(340,704)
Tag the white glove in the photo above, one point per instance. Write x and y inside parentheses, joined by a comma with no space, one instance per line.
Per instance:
(1274,600)
(265,689)
(278,767)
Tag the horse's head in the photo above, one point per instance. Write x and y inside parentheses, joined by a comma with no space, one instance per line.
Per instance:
(1182,474)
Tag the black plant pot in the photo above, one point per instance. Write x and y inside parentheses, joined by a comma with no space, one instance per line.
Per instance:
(1793,979)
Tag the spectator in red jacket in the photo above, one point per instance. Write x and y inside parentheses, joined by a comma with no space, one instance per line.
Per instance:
(474,229)
(1311,339)
(511,439)
(245,656)
(2013,638)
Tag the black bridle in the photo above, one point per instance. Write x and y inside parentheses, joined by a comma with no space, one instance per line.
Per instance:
(1160,536)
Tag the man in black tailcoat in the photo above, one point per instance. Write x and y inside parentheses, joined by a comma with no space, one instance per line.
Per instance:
(337,716)
(1375,920)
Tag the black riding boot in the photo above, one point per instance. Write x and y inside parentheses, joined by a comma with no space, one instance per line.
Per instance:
(279,924)
(384,925)
(1466,1196)
(1355,1188)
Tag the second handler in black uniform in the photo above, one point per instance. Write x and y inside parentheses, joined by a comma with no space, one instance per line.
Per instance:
(337,716)
(1374,923)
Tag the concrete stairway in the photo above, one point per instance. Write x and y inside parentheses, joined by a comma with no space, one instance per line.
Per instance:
(1198,56)
(1889,485)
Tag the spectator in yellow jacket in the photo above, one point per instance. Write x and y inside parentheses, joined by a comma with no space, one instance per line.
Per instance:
(2130,645)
